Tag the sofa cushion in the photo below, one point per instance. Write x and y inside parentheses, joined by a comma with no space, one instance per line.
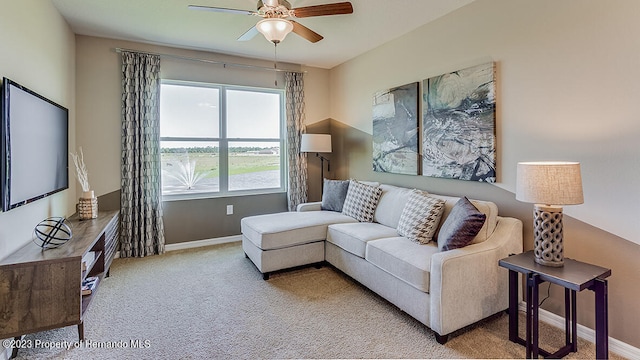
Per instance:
(275,231)
(392,201)
(420,217)
(354,237)
(333,194)
(361,201)
(404,259)
(486,207)
(461,226)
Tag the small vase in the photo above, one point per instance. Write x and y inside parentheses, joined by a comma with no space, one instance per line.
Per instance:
(88,206)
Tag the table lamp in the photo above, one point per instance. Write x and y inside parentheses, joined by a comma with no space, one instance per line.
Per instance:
(549,185)
(317,143)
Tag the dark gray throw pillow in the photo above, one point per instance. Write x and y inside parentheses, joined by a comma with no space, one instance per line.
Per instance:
(461,226)
(333,194)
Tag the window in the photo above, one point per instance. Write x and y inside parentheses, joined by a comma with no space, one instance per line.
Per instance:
(219,140)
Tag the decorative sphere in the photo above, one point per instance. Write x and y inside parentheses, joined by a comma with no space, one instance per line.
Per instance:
(52,232)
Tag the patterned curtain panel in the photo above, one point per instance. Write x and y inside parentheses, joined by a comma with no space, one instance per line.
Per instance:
(141,227)
(297,190)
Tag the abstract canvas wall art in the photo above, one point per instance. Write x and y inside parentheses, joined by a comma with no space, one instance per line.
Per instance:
(458,126)
(395,130)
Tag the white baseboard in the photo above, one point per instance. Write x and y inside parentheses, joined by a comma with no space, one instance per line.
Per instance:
(194,244)
(615,346)
(200,243)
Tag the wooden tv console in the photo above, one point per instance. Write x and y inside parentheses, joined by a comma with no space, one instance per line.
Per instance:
(41,289)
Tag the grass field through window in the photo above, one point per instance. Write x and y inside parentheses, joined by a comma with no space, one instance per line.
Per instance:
(200,171)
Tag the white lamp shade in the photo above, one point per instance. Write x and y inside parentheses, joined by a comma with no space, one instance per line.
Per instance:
(274,29)
(549,183)
(317,143)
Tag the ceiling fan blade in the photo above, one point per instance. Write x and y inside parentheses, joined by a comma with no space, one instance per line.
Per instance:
(305,32)
(322,10)
(249,34)
(222,10)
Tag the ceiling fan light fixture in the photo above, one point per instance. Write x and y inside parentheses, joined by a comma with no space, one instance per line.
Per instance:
(274,29)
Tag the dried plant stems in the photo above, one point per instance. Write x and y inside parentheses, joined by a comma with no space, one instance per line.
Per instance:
(81,170)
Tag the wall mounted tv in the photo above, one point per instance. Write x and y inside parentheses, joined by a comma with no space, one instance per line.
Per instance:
(35,141)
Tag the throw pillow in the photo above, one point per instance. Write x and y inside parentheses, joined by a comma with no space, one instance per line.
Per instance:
(420,217)
(333,194)
(461,226)
(361,201)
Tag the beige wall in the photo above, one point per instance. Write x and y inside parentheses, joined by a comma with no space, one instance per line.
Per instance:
(567,81)
(98,130)
(37,51)
(316,92)
(568,89)
(317,114)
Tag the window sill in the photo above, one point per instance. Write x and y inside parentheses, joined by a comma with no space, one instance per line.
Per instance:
(201,196)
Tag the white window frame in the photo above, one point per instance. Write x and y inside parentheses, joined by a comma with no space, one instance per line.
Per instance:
(223,144)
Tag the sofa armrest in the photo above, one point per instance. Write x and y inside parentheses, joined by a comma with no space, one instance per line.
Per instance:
(467,284)
(312,206)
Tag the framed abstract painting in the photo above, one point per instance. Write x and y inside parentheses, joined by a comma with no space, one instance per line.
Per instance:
(395,130)
(459,124)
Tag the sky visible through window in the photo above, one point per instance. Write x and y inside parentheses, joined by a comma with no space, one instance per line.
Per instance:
(189,111)
(253,115)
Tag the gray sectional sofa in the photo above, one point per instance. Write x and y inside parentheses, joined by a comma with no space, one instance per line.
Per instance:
(444,290)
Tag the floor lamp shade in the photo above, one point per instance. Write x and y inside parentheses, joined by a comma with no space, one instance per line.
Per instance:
(317,143)
(549,185)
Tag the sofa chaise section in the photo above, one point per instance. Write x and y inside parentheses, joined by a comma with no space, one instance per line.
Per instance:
(285,240)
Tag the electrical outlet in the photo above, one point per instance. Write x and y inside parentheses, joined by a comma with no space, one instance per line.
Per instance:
(229,209)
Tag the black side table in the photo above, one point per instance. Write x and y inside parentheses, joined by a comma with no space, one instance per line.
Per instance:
(573,276)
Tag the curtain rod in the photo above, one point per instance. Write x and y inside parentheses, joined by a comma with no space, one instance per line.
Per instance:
(214,62)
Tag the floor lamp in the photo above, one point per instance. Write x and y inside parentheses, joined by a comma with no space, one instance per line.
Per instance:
(317,143)
(549,185)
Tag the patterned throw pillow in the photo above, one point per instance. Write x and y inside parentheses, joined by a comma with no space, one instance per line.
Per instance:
(361,201)
(461,226)
(420,217)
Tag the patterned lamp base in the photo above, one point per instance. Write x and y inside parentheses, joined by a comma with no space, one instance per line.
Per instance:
(547,231)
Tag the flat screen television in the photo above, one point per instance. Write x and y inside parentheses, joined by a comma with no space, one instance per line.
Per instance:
(35,142)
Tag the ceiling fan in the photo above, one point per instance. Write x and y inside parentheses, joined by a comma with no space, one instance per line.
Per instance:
(277,14)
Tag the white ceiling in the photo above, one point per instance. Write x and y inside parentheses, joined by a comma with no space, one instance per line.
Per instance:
(171,23)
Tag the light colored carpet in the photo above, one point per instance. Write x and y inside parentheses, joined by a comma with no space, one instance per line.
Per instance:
(212,303)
